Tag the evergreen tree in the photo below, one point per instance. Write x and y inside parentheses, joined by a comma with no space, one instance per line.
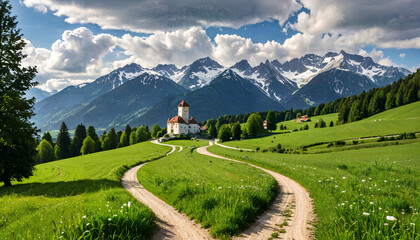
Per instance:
(224,133)
(400,95)
(91,132)
(374,105)
(75,147)
(344,111)
(306,127)
(254,125)
(17,133)
(236,131)
(81,134)
(112,135)
(127,131)
(271,121)
(124,140)
(288,116)
(119,133)
(412,96)
(390,101)
(64,141)
(155,129)
(45,152)
(331,124)
(133,138)
(321,123)
(354,114)
(47,136)
(212,131)
(106,144)
(88,146)
(141,134)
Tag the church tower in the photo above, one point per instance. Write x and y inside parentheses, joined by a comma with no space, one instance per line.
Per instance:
(184,110)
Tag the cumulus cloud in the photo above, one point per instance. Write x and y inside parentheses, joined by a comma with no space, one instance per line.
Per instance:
(378,56)
(179,47)
(402,55)
(166,15)
(59,84)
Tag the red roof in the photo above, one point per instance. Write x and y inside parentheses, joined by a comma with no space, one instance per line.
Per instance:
(183,104)
(204,128)
(192,121)
(177,119)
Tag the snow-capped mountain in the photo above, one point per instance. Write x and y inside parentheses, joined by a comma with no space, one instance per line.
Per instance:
(198,74)
(267,78)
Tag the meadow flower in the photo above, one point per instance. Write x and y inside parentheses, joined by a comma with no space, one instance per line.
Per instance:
(336,186)
(84,216)
(363,180)
(390,218)
(366,214)
(385,181)
(109,219)
(344,177)
(220,187)
(412,224)
(371,202)
(386,224)
(87,224)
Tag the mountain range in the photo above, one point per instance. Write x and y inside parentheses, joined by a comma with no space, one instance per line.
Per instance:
(136,95)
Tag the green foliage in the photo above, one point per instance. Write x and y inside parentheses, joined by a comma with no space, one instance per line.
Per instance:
(112,135)
(80,133)
(155,130)
(47,136)
(321,123)
(106,144)
(57,152)
(127,130)
(75,146)
(271,121)
(64,141)
(224,133)
(133,138)
(88,146)
(124,140)
(236,131)
(254,125)
(142,134)
(45,152)
(212,131)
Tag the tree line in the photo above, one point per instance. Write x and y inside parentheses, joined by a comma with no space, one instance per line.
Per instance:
(87,141)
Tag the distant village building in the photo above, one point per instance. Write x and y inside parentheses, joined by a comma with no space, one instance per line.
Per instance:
(265,124)
(180,124)
(303,118)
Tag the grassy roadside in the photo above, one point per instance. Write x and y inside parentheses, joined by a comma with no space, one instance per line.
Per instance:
(220,194)
(357,194)
(79,196)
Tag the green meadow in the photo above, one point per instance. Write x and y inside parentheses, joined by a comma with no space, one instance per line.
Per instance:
(395,121)
(222,195)
(357,194)
(79,197)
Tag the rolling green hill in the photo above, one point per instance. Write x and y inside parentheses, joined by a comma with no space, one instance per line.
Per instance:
(60,193)
(394,121)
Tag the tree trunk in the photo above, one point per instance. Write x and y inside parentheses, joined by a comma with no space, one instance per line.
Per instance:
(7,182)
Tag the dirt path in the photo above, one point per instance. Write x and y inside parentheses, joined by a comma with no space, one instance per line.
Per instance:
(293,197)
(172,224)
(234,148)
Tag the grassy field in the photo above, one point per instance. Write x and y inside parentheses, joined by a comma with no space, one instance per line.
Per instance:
(395,121)
(220,194)
(357,194)
(292,124)
(79,196)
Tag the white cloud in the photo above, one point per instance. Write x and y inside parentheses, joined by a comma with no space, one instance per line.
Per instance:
(59,84)
(179,47)
(377,56)
(402,55)
(166,15)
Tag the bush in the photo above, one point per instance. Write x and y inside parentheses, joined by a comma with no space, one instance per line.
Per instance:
(339,143)
(355,142)
(88,146)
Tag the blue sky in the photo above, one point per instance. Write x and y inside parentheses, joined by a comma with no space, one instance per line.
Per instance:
(160,33)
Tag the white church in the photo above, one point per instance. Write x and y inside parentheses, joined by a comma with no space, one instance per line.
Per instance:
(182,123)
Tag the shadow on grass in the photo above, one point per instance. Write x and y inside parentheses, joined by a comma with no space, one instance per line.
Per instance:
(60,189)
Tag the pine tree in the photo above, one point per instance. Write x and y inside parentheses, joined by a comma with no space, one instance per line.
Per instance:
(390,101)
(17,134)
(127,131)
(88,146)
(354,114)
(112,135)
(331,124)
(47,136)
(45,152)
(236,131)
(80,132)
(271,121)
(75,147)
(64,141)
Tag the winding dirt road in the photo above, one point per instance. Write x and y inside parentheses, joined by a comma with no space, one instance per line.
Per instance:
(292,197)
(175,225)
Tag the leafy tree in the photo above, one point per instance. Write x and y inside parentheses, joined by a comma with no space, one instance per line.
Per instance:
(354,114)
(400,95)
(306,127)
(64,141)
(106,144)
(212,131)
(224,133)
(45,152)
(288,116)
(47,136)
(331,124)
(271,121)
(119,133)
(17,133)
(141,134)
(254,125)
(390,101)
(88,146)
(236,131)
(80,132)
(133,138)
(112,135)
(57,152)
(321,123)
(155,129)
(75,147)
(124,140)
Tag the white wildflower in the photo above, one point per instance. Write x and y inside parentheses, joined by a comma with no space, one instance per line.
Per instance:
(390,218)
